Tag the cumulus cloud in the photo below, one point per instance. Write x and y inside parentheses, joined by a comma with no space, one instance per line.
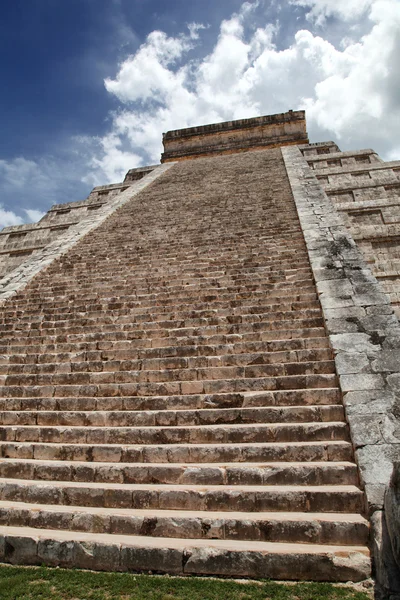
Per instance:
(320,10)
(341,66)
(31,186)
(350,90)
(107,160)
(8,218)
(34,215)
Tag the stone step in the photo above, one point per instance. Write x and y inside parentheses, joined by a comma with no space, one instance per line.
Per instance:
(194,453)
(229,558)
(142,331)
(39,356)
(84,322)
(181,268)
(26,304)
(179,373)
(306,528)
(226,434)
(210,297)
(58,305)
(248,498)
(210,416)
(184,269)
(83,364)
(186,289)
(223,474)
(104,340)
(172,388)
(278,398)
(54,313)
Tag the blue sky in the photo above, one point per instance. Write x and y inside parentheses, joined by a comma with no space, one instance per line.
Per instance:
(88,86)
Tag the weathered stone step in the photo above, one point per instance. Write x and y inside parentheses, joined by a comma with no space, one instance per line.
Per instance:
(139,330)
(139,312)
(62,304)
(187,263)
(229,558)
(278,398)
(38,355)
(220,286)
(161,297)
(194,453)
(276,432)
(85,323)
(181,269)
(223,474)
(105,340)
(311,528)
(51,302)
(210,416)
(175,275)
(186,268)
(248,498)
(179,373)
(172,388)
(85,364)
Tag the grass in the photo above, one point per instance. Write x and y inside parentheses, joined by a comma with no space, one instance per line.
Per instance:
(41,583)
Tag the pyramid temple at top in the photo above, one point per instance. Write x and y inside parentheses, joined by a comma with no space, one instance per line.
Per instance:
(200,365)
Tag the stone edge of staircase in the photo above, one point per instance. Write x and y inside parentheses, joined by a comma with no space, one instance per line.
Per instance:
(17,279)
(365,336)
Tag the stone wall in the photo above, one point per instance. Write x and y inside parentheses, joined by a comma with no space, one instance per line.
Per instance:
(365,336)
(235,136)
(349,208)
(366,192)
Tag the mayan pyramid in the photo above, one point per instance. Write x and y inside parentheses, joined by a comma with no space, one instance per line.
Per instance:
(200,365)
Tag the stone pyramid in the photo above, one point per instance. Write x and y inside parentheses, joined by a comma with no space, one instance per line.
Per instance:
(169,399)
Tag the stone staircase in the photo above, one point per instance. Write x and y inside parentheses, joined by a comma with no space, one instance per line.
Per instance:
(169,401)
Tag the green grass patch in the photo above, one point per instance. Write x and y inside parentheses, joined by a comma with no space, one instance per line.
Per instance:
(34,583)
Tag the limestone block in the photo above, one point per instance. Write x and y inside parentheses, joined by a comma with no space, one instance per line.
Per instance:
(387,361)
(158,560)
(351,362)
(349,342)
(362,381)
(56,553)
(21,550)
(97,556)
(385,566)
(392,511)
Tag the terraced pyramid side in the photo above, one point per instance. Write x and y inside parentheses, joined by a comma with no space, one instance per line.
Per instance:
(169,399)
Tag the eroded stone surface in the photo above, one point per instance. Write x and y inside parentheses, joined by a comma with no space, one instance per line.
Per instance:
(363,331)
(175,386)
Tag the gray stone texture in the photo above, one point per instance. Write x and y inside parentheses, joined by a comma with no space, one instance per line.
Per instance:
(363,331)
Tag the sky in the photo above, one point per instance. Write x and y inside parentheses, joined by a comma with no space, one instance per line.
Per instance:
(89,86)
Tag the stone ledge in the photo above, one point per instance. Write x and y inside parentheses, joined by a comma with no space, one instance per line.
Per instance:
(235,136)
(364,334)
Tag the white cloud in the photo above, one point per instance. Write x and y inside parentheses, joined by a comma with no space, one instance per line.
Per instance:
(349,84)
(34,215)
(8,218)
(109,162)
(347,10)
(350,91)
(18,171)
(29,187)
